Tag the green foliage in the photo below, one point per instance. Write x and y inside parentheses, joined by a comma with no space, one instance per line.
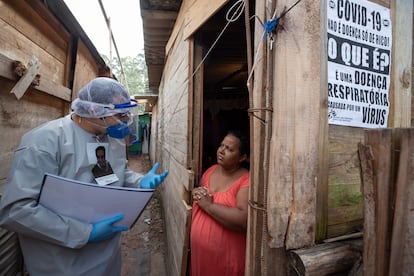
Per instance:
(344,195)
(135,70)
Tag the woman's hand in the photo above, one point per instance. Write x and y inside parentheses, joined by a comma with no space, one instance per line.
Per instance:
(234,218)
(202,197)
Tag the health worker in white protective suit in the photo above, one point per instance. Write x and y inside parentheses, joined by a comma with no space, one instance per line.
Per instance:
(54,244)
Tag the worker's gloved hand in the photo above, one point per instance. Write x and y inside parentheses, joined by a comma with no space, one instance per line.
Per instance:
(104,229)
(151,180)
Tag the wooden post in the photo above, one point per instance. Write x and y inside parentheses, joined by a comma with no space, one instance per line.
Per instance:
(294,145)
(378,161)
(402,43)
(257,210)
(402,244)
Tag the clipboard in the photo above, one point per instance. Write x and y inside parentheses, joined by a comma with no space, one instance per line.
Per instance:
(90,202)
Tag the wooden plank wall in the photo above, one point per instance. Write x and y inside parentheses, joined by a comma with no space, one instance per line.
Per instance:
(299,156)
(29,29)
(172,147)
(19,116)
(298,134)
(47,40)
(344,196)
(198,13)
(85,69)
(344,199)
(19,40)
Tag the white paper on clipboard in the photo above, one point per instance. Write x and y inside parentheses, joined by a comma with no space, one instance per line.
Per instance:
(90,202)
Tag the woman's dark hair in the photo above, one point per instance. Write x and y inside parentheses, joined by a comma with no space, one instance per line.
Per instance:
(244,145)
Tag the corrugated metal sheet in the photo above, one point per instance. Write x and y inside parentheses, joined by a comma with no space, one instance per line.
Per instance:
(11,260)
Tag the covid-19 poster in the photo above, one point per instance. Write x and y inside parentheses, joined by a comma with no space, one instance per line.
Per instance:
(359,59)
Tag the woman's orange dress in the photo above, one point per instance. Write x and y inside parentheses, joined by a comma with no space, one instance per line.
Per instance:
(216,250)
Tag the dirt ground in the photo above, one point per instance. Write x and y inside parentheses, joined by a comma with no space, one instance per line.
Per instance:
(144,246)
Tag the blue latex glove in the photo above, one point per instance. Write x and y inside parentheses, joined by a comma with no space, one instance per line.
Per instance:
(104,229)
(152,180)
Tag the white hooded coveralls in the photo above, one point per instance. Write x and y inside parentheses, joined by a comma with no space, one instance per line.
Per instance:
(53,244)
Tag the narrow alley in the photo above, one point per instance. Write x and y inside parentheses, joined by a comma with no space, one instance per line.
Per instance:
(143,246)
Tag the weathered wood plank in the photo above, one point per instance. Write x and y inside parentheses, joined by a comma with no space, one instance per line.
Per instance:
(172,130)
(344,196)
(177,221)
(180,175)
(195,107)
(402,243)
(198,12)
(323,157)
(378,175)
(186,242)
(11,48)
(297,103)
(41,40)
(257,199)
(176,111)
(86,69)
(175,119)
(341,228)
(47,33)
(345,213)
(402,44)
(39,108)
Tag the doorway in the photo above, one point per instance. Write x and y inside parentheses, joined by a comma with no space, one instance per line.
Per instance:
(224,93)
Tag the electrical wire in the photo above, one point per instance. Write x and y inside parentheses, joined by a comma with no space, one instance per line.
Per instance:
(113,41)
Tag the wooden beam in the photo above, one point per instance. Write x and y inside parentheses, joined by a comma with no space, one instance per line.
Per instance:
(257,209)
(199,12)
(321,214)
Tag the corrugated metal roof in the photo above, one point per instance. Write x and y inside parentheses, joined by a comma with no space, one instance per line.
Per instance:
(158,19)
